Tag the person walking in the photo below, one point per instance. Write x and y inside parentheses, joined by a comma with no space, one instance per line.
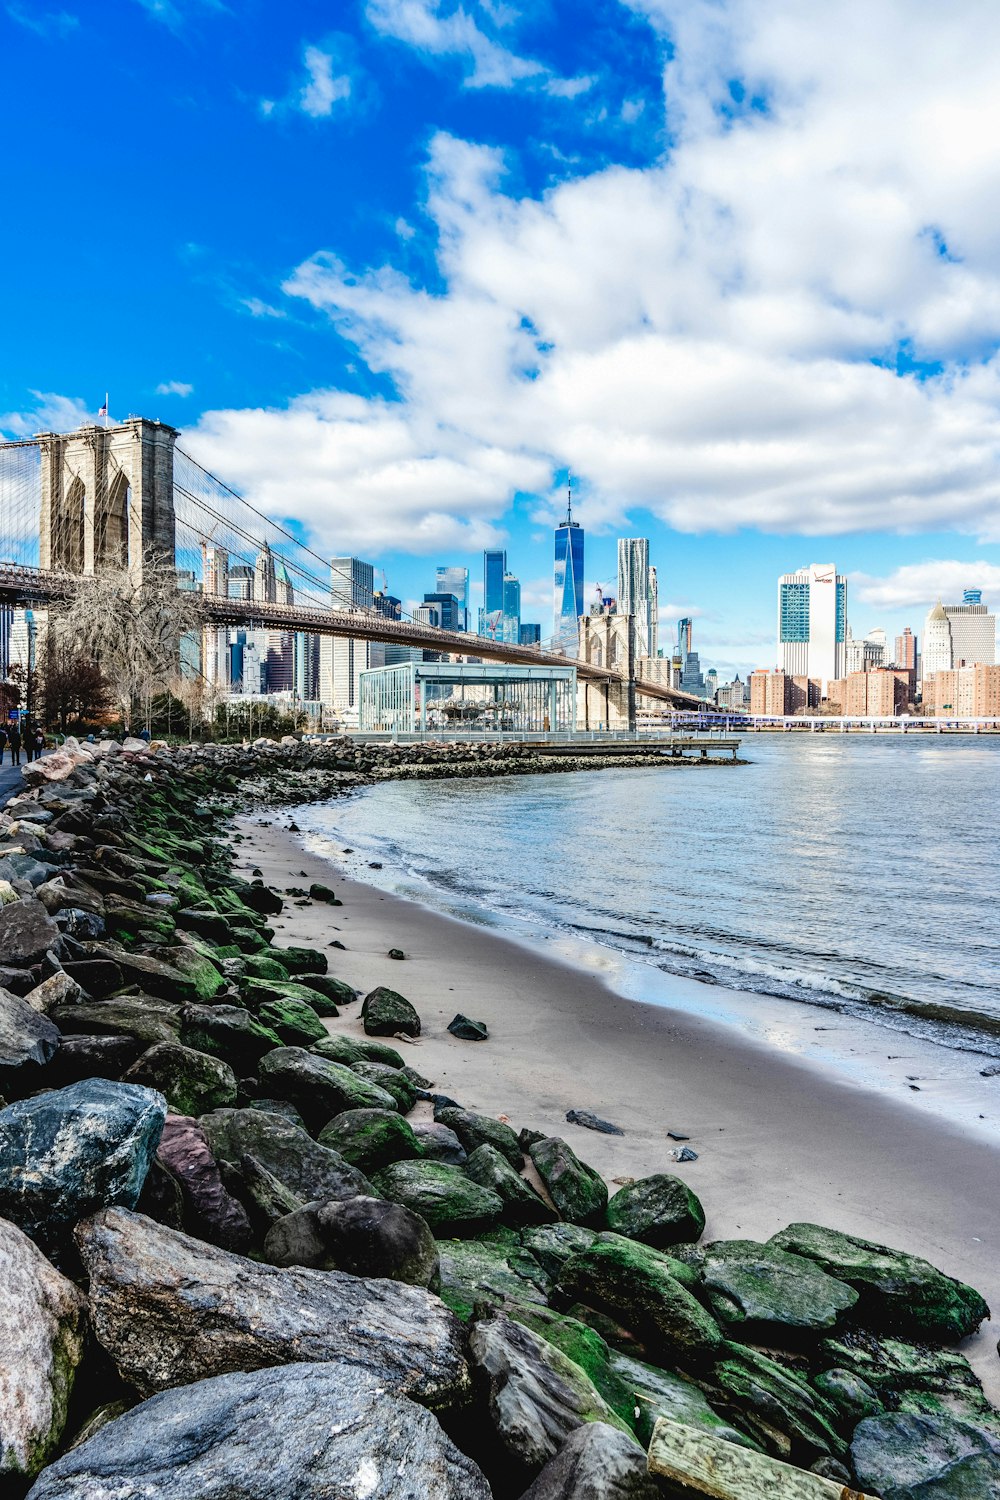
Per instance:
(3,742)
(14,741)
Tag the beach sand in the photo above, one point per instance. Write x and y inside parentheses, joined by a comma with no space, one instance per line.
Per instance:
(778,1138)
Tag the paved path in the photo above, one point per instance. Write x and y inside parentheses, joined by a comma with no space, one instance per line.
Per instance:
(11,780)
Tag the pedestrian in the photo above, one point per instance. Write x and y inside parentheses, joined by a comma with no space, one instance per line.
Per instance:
(3,742)
(14,741)
(39,742)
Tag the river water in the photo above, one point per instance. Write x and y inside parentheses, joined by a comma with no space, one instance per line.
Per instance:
(856,873)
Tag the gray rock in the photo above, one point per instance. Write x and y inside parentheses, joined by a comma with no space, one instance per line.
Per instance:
(69,1152)
(28,1040)
(58,989)
(262,1195)
(393,1080)
(553,1245)
(229,1032)
(317,1087)
(438,1143)
(299,1163)
(596,1462)
(908,1457)
(312,1431)
(696,1462)
(364,1237)
(43,1324)
(371,1138)
(209,1211)
(590,1121)
(170,1310)
(467,1030)
(494,1270)
(191,1082)
(482,1130)
(769,1293)
(27,932)
(521,1204)
(578,1192)
(147,1019)
(444,1196)
(660,1210)
(387,1013)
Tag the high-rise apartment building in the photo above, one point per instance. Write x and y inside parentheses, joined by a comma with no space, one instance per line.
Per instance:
(634,593)
(769,693)
(963,693)
(691,680)
(905,654)
(567,603)
(455,581)
(654,612)
(812,622)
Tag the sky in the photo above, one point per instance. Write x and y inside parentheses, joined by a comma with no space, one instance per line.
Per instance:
(397,267)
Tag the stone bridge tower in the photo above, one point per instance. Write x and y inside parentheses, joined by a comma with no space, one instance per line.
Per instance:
(107,497)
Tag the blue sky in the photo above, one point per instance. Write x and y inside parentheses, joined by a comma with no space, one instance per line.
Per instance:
(394,265)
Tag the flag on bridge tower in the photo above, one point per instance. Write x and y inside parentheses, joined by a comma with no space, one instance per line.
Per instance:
(103,411)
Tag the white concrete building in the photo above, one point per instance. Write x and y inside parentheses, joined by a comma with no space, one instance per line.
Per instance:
(812,622)
(937,652)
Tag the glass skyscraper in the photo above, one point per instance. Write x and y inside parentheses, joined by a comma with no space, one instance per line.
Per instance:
(455,581)
(567,604)
(511,609)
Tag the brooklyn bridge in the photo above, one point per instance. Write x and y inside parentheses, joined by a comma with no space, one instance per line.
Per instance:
(106,497)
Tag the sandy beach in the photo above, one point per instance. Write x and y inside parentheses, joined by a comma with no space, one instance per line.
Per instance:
(778,1139)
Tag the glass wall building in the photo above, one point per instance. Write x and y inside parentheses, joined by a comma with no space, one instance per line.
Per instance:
(567,605)
(418,696)
(812,622)
(455,581)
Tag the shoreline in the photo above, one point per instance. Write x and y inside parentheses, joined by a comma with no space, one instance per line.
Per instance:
(778,1139)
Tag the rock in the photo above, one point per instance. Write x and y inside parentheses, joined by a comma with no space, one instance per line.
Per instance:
(318,1088)
(590,1121)
(299,1163)
(660,1210)
(491,1270)
(596,1462)
(154,977)
(642,1288)
(535,1396)
(773,1404)
(352,1049)
(901,1456)
(396,953)
(578,1192)
(553,1245)
(265,1199)
(705,1465)
(98,976)
(923,1379)
(371,1138)
(656,1393)
(67,1153)
(521,1204)
(302,960)
(170,1310)
(295,1021)
(896,1291)
(147,1020)
(438,1143)
(337,991)
(451,1204)
(229,1032)
(392,1080)
(852,1396)
(257,992)
(386,1013)
(468,1031)
(191,1082)
(315,1431)
(320,892)
(81,1057)
(43,1325)
(768,1294)
(364,1237)
(27,932)
(209,1211)
(58,989)
(28,1040)
(481,1130)
(684,1154)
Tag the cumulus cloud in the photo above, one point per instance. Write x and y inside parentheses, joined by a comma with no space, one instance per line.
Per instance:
(174,388)
(329,81)
(439,30)
(789,322)
(51,413)
(920,585)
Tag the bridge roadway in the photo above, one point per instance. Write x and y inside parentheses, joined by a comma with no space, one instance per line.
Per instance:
(21,585)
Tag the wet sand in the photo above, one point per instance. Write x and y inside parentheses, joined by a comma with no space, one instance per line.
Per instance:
(778,1138)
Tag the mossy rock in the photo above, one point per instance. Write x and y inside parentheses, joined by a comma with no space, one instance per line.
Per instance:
(264,966)
(912,1377)
(351,1049)
(521,1204)
(853,1397)
(475,1130)
(577,1190)
(146,1019)
(259,992)
(301,960)
(585,1347)
(644,1290)
(769,1294)
(190,1081)
(491,1269)
(301,1165)
(371,1138)
(553,1245)
(452,1205)
(660,1211)
(296,1023)
(229,1032)
(319,1089)
(336,990)
(386,1012)
(898,1292)
(774,1405)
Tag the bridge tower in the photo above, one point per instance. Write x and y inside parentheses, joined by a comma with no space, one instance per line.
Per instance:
(107,497)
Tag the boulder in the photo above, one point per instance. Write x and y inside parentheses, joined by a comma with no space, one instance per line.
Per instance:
(318,1088)
(656,1393)
(451,1204)
(705,1465)
(468,1031)
(98,976)
(364,1237)
(918,1378)
(769,1294)
(285,1150)
(209,1211)
(371,1138)
(147,1020)
(319,891)
(553,1245)
(853,1397)
(310,1430)
(28,1039)
(643,1289)
(42,1333)
(481,1130)
(190,1081)
(596,1462)
(265,1199)
(91,1057)
(351,1049)
(170,1310)
(578,1191)
(393,1080)
(897,1292)
(295,1022)
(438,1143)
(69,1152)
(302,960)
(535,1396)
(27,932)
(154,977)
(660,1210)
(901,1456)
(229,1032)
(387,1013)
(521,1204)
(58,989)
(491,1270)
(773,1404)
(258,991)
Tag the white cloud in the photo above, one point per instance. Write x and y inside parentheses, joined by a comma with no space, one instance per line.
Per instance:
(439,29)
(173,13)
(713,337)
(57,23)
(258,308)
(919,585)
(174,388)
(51,413)
(324,88)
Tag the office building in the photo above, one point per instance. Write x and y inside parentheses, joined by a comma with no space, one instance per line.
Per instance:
(455,581)
(812,622)
(494,568)
(529,635)
(449,611)
(567,603)
(691,679)
(936,655)
(634,591)
(963,693)
(511,609)
(342,659)
(711,683)
(973,632)
(732,695)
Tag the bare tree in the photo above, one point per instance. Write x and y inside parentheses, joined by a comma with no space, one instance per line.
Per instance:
(131,624)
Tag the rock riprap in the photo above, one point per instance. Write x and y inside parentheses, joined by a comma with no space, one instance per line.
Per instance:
(289,1153)
(770,1292)
(444,1196)
(315,1431)
(170,1310)
(67,1153)
(660,1210)
(365,1237)
(578,1192)
(28,1040)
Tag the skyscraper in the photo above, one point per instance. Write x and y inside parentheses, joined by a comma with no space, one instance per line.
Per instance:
(342,659)
(937,655)
(634,594)
(973,631)
(511,609)
(455,581)
(568,603)
(654,612)
(812,622)
(450,612)
(494,567)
